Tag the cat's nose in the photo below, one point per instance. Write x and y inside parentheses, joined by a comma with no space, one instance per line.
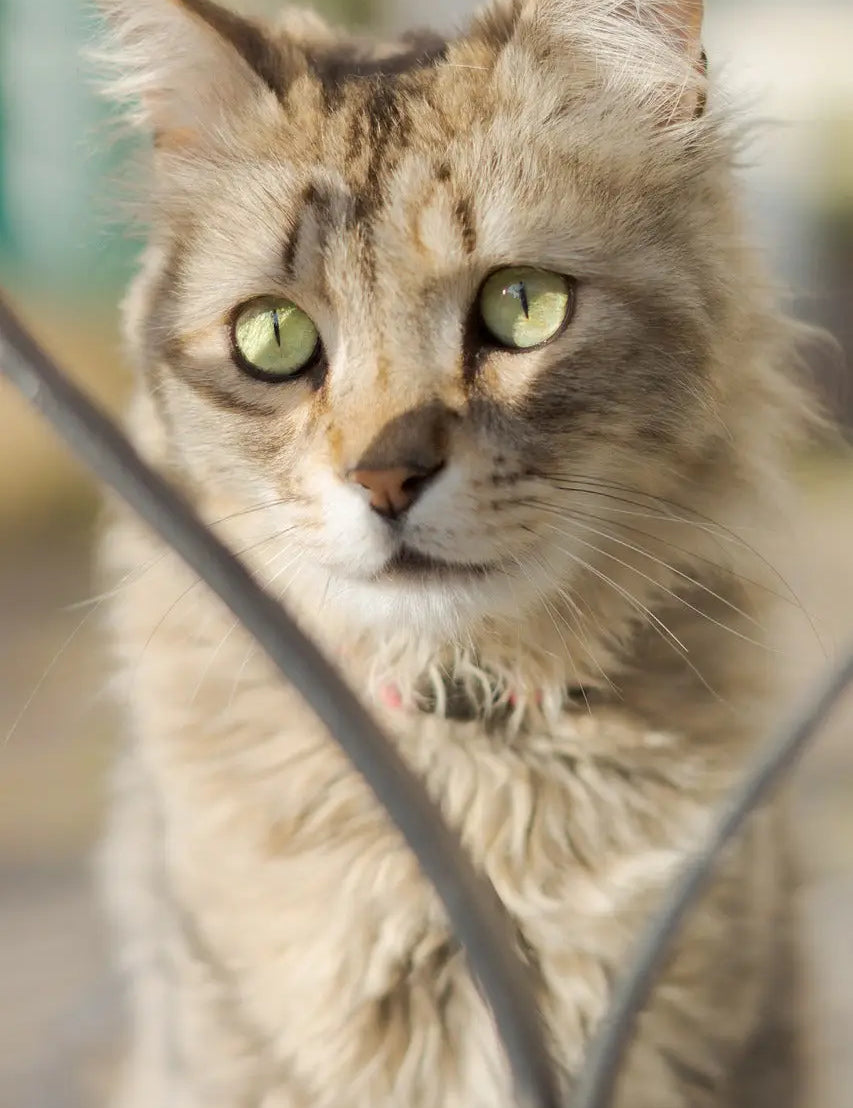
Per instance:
(393,491)
(403,458)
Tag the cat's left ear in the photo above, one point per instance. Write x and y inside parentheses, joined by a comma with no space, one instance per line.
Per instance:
(680,21)
(183,65)
(653,47)
(676,25)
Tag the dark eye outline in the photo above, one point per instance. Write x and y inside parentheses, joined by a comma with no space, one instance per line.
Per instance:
(490,341)
(249,368)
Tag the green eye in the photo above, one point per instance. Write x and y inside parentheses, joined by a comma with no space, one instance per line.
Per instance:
(524,307)
(274,340)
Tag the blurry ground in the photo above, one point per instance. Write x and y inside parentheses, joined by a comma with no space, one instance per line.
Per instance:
(55,1001)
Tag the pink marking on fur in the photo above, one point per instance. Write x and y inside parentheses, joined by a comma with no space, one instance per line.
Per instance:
(391,696)
(512,698)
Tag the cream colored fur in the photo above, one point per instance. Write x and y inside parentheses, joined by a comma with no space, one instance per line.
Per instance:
(282,948)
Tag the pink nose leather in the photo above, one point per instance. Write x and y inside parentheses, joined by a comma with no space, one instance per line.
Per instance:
(392,491)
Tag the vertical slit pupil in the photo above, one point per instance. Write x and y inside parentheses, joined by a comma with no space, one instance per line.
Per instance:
(519,290)
(276,326)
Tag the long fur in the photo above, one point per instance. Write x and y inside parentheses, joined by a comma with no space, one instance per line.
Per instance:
(282,948)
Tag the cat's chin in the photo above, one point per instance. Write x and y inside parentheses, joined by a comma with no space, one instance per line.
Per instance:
(420,594)
(439,602)
(413,567)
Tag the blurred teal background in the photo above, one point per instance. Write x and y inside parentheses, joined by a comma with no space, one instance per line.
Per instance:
(56,160)
(60,197)
(65,256)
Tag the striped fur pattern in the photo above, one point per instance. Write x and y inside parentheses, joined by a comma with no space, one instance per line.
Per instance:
(585,532)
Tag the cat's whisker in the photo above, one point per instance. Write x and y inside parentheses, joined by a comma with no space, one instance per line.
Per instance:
(97,603)
(97,600)
(251,650)
(657,624)
(547,604)
(137,572)
(282,591)
(272,559)
(51,666)
(659,585)
(578,632)
(128,580)
(664,565)
(575,608)
(211,661)
(196,584)
(324,596)
(687,514)
(701,523)
(562,511)
(632,600)
(671,511)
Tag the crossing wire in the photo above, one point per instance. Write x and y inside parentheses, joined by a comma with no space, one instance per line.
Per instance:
(472,905)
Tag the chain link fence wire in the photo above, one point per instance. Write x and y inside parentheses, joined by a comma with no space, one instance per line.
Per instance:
(475,912)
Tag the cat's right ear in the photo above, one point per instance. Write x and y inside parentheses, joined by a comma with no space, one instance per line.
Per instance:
(181,66)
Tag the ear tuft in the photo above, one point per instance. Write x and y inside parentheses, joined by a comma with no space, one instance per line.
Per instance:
(181,65)
(649,49)
(679,24)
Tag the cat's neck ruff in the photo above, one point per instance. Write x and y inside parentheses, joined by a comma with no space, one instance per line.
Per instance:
(494,703)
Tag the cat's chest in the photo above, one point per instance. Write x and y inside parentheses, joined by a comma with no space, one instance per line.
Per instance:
(283,840)
(304,895)
(550,812)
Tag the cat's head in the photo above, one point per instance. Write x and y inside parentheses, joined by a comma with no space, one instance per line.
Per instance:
(450,312)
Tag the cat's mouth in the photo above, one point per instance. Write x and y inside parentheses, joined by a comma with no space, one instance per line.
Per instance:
(412,564)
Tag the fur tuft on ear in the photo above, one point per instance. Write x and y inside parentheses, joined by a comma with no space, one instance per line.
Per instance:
(679,24)
(181,65)
(650,49)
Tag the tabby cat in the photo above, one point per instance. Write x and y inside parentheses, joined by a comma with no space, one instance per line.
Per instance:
(460,345)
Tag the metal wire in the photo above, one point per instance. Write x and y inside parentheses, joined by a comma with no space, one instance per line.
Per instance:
(472,905)
(601,1069)
(477,915)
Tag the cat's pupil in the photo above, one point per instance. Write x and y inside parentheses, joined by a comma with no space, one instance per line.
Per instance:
(519,291)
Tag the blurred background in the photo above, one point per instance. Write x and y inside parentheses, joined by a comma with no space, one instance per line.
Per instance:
(64,259)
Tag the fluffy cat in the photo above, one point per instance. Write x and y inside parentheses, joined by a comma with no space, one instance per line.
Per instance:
(460,346)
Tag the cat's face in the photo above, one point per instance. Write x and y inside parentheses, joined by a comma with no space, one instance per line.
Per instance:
(429,310)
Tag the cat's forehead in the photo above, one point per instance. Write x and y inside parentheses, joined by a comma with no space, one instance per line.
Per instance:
(426,162)
(361,160)
(360,112)
(364,124)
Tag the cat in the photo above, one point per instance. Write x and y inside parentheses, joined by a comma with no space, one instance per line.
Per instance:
(461,346)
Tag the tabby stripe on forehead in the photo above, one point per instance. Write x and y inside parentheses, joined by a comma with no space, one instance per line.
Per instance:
(465,218)
(313,196)
(338,66)
(385,126)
